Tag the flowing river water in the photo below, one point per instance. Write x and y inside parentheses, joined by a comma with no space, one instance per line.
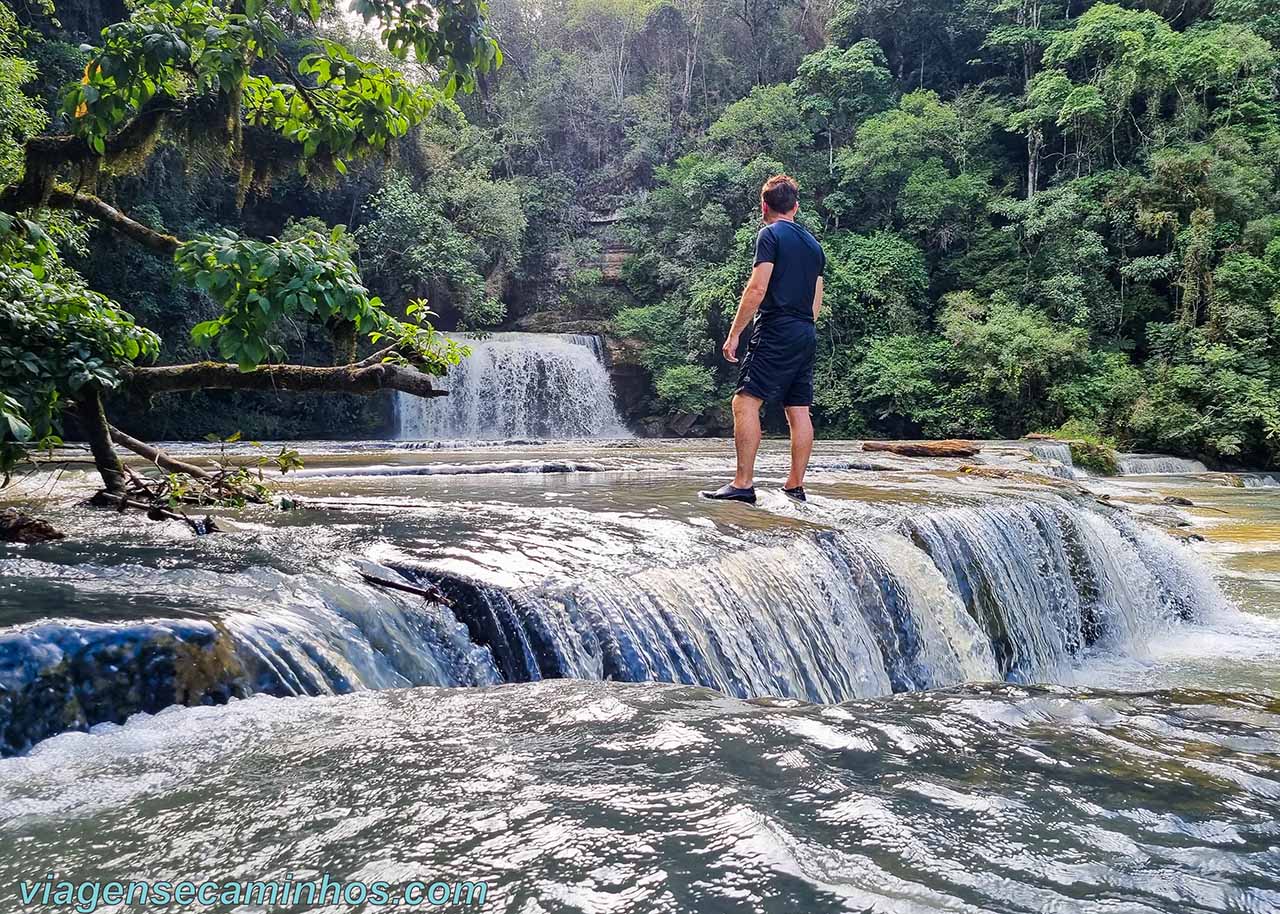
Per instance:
(927,689)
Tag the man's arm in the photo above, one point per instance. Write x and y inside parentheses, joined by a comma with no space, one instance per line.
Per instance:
(752,295)
(817,299)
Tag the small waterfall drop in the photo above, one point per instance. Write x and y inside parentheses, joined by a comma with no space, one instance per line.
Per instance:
(519,385)
(826,619)
(1046,582)
(281,635)
(1055,460)
(1157,465)
(1260,480)
(1053,452)
(1017,590)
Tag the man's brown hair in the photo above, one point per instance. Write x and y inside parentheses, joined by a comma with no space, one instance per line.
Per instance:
(780,193)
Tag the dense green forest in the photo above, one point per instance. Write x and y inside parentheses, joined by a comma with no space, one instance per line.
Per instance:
(1037,215)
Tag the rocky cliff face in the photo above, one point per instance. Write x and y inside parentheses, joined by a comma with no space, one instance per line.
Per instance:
(632,383)
(640,409)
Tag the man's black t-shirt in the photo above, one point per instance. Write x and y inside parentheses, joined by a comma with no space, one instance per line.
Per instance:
(798,261)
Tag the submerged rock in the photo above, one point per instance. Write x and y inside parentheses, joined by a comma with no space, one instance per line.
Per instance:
(1016,474)
(55,677)
(1164,516)
(16,527)
(213,524)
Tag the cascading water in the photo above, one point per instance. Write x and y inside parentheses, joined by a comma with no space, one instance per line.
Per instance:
(1053,451)
(1016,590)
(826,619)
(1046,582)
(961,592)
(519,385)
(592,561)
(1260,480)
(1055,459)
(1157,465)
(282,635)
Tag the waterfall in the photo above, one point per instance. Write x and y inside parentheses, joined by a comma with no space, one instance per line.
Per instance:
(1046,582)
(1055,457)
(1057,453)
(825,619)
(1157,464)
(519,385)
(1260,480)
(1052,452)
(1015,590)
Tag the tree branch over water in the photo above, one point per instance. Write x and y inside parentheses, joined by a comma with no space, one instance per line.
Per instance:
(109,216)
(354,378)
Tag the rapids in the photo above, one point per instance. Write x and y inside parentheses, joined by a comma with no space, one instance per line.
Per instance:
(605,797)
(928,688)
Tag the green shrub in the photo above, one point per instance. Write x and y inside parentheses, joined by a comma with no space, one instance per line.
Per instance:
(1090,455)
(686,388)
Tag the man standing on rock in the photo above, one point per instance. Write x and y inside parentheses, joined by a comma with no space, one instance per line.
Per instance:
(784,295)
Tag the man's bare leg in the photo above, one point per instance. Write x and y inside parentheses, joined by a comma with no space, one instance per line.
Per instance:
(801,443)
(746,437)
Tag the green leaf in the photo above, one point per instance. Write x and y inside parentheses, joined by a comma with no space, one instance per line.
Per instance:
(18,428)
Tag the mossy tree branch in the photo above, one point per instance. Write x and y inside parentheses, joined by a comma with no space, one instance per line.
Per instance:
(353,378)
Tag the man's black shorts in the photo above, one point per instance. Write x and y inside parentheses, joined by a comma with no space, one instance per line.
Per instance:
(779,362)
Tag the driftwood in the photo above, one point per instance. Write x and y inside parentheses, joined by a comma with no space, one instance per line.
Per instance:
(154,512)
(433,593)
(949,448)
(157,456)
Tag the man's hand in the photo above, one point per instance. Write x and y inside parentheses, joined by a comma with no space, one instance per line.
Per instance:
(752,295)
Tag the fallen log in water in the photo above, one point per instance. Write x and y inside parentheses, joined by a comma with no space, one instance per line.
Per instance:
(950,447)
(432,593)
(158,457)
(154,512)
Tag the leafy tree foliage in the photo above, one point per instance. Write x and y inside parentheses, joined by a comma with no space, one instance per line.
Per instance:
(1030,219)
(259,83)
(57,338)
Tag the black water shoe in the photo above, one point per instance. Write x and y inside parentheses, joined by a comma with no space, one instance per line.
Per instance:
(730,492)
(797,493)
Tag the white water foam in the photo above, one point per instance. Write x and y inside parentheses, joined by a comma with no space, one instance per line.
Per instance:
(1053,451)
(1260,480)
(1157,465)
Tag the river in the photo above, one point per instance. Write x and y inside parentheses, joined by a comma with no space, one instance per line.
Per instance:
(927,689)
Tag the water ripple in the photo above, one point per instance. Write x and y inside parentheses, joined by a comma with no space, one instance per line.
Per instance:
(602,797)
